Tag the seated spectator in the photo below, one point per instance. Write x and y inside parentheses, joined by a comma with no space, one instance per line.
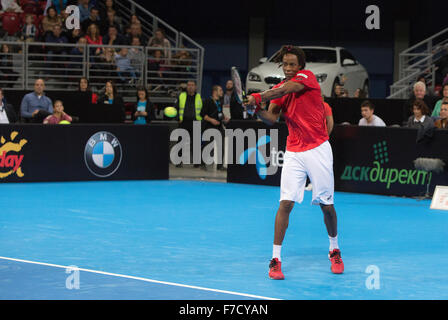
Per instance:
(84,10)
(78,51)
(160,41)
(60,5)
(104,68)
(10,6)
(442,123)
(436,111)
(7,112)
(50,20)
(7,74)
(83,86)
(339,91)
(111,97)
(182,61)
(94,18)
(125,71)
(111,20)
(29,30)
(54,51)
(360,94)
(35,105)
(58,114)
(134,20)
(136,55)
(419,92)
(420,117)
(136,31)
(368,118)
(144,108)
(108,5)
(74,35)
(156,68)
(113,38)
(94,38)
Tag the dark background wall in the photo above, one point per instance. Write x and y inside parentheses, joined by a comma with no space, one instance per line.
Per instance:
(223,29)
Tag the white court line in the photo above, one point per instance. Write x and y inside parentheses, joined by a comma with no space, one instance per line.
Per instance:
(139,278)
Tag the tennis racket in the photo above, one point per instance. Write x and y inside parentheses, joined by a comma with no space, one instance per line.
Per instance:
(238,86)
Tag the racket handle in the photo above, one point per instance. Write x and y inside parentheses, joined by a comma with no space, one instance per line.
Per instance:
(245,100)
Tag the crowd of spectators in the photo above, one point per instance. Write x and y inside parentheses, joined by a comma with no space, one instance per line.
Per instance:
(99,25)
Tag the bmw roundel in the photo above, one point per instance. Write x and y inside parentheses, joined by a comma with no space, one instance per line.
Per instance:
(102,154)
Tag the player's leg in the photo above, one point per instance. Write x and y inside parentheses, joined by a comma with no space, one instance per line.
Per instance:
(292,187)
(320,170)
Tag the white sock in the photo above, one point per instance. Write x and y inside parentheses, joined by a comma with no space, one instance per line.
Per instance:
(333,243)
(276,252)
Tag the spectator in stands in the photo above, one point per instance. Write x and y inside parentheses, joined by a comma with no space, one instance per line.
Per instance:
(442,68)
(339,91)
(7,74)
(368,118)
(105,67)
(35,105)
(419,92)
(10,6)
(113,38)
(59,5)
(156,68)
(84,10)
(78,51)
(94,18)
(58,114)
(231,102)
(442,123)
(136,55)
(83,86)
(136,31)
(160,41)
(50,20)
(111,20)
(124,68)
(29,30)
(109,5)
(7,112)
(144,108)
(420,117)
(134,20)
(360,94)
(436,111)
(54,52)
(94,38)
(74,35)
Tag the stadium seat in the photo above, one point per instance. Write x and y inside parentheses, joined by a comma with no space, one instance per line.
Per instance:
(11,22)
(31,7)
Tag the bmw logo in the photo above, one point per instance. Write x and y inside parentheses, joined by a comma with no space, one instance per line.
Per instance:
(103,154)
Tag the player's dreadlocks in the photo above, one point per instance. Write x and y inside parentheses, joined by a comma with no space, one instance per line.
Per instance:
(292,50)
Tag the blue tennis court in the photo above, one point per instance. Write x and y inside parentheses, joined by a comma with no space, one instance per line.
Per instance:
(209,240)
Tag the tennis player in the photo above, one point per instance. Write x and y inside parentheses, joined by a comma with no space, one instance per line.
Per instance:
(308,151)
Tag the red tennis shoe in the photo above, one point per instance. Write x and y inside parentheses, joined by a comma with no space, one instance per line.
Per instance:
(275,270)
(337,266)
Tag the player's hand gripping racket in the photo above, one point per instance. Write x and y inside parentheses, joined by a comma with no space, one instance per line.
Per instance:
(239,90)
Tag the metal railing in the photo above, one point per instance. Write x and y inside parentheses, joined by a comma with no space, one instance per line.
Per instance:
(62,65)
(417,60)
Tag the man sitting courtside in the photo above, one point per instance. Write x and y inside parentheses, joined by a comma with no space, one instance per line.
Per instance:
(36,106)
(368,118)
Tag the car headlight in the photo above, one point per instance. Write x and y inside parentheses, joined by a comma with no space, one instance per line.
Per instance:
(321,77)
(254,77)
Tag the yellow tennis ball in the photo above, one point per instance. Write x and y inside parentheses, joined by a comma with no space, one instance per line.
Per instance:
(64,122)
(170,112)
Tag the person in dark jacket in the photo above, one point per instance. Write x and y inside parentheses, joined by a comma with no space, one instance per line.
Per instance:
(7,112)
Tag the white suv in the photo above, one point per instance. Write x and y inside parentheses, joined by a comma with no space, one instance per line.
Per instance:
(330,65)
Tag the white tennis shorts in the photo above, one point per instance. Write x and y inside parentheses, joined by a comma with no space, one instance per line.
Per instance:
(317,164)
